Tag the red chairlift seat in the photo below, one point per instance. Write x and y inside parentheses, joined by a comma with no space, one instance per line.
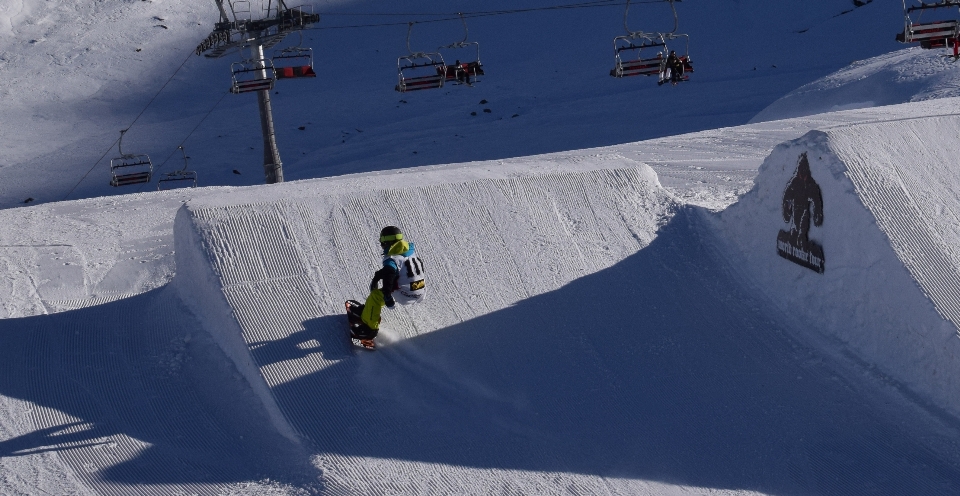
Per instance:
(941,33)
(294,62)
(934,32)
(464,71)
(295,72)
(130,169)
(640,66)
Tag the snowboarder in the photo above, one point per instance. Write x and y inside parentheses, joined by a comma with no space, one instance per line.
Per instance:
(401,279)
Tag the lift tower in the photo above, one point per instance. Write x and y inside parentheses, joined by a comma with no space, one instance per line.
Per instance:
(239,29)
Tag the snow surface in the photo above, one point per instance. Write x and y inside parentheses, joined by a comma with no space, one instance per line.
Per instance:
(908,75)
(606,320)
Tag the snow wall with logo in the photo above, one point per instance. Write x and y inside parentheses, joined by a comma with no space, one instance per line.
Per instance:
(273,271)
(889,293)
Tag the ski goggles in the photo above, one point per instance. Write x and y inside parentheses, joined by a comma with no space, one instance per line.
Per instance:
(391,237)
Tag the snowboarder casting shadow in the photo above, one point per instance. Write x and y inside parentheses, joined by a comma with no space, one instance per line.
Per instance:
(802,203)
(401,279)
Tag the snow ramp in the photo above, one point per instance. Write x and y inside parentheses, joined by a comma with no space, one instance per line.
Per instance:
(581,334)
(888,236)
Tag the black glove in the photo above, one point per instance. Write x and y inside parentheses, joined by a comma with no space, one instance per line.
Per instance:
(389,301)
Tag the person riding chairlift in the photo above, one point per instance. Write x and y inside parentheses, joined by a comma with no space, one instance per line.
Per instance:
(674,68)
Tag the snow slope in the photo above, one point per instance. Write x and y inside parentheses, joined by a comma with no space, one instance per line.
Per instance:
(908,75)
(889,290)
(549,364)
(654,363)
(192,341)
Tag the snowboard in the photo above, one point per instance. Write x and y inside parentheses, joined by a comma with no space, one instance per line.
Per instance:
(354,308)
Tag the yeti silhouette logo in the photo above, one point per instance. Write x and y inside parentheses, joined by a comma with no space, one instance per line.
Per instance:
(802,203)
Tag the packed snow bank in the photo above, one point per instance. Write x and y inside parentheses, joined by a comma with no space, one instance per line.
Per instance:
(888,235)
(262,275)
(908,75)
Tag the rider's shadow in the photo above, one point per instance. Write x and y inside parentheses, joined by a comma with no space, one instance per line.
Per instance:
(328,336)
(332,335)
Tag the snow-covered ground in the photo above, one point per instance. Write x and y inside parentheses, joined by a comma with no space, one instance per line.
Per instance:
(611,317)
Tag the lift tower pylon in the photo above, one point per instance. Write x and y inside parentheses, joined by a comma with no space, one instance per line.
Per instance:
(239,30)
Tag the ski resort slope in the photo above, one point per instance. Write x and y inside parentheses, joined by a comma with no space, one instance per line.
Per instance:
(585,331)
(593,325)
(908,75)
(889,234)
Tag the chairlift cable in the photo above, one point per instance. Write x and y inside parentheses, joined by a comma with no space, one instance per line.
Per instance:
(65,197)
(469,15)
(190,133)
(596,3)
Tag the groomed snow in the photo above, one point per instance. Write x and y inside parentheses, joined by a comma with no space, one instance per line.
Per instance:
(607,320)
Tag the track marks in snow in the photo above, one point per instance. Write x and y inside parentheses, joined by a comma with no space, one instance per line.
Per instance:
(909,184)
(286,267)
(135,399)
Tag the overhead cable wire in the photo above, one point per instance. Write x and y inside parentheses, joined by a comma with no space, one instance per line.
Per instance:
(466,15)
(596,3)
(188,135)
(131,125)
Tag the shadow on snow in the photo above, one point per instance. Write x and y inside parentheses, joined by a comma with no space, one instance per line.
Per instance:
(139,368)
(661,367)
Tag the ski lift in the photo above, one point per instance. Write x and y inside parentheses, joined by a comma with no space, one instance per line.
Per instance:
(130,168)
(464,71)
(420,70)
(252,75)
(630,50)
(940,33)
(182,178)
(636,43)
(294,62)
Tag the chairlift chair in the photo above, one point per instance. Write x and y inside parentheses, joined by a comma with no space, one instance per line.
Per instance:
(130,168)
(468,71)
(182,178)
(940,33)
(639,66)
(420,70)
(636,42)
(294,62)
(252,75)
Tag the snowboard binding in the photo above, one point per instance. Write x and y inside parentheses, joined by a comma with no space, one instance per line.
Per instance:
(358,329)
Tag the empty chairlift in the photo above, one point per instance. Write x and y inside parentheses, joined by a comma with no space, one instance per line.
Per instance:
(467,68)
(294,62)
(182,178)
(130,168)
(940,29)
(252,75)
(639,54)
(420,70)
